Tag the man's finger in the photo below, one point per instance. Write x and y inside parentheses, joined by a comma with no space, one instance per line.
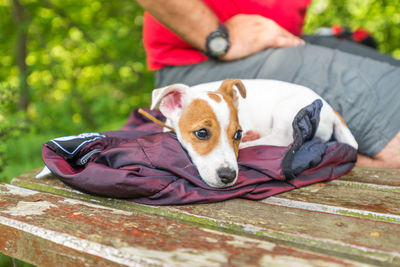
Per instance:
(283,41)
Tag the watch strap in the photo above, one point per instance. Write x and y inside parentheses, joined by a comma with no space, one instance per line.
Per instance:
(221,32)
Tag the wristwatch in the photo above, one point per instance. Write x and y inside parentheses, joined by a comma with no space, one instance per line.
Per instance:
(217,42)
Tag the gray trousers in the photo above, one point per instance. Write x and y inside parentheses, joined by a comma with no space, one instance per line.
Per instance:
(365,91)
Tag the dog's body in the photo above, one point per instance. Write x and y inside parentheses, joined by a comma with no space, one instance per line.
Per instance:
(208,119)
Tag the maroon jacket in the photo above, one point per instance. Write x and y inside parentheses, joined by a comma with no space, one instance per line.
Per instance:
(142,164)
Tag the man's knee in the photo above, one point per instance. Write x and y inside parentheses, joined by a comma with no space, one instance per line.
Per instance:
(388,158)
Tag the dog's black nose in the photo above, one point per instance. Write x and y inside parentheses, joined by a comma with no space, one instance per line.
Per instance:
(226,175)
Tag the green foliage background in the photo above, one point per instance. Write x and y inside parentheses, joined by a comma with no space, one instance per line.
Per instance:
(85,72)
(380,17)
(84,68)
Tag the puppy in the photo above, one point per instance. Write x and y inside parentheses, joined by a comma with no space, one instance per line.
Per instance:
(209,120)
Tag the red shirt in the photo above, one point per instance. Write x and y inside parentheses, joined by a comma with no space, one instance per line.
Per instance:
(164,48)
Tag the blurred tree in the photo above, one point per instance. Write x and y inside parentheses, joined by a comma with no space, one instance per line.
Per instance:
(78,64)
(21,42)
(9,128)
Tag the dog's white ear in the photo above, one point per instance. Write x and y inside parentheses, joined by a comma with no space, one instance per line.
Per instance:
(170,99)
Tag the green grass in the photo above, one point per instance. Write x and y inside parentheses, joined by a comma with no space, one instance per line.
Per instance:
(6,261)
(24,154)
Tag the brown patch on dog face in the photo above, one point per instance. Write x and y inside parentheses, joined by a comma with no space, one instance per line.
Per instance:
(227,91)
(233,125)
(341,118)
(214,97)
(196,116)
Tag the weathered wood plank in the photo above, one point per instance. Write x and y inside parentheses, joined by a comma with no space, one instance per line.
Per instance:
(348,198)
(332,209)
(342,236)
(373,176)
(379,200)
(372,239)
(50,230)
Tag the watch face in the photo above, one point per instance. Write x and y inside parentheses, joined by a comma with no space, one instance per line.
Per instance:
(218,45)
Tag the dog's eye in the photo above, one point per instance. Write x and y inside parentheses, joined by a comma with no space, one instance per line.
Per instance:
(202,134)
(238,135)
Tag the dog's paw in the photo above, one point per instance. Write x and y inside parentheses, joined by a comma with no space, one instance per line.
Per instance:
(250,136)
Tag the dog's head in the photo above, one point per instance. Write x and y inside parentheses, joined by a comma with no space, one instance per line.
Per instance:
(207,126)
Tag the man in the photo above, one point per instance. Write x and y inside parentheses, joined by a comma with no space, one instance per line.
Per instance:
(259,39)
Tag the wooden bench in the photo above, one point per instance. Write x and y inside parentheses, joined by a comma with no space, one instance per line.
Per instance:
(351,221)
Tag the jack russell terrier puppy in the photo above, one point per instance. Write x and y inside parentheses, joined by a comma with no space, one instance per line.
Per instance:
(209,120)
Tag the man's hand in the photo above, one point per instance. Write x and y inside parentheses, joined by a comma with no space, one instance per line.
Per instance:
(250,34)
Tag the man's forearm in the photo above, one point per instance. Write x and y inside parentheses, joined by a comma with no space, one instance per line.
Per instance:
(192,20)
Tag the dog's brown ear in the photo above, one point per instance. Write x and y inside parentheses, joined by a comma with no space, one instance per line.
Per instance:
(226,88)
